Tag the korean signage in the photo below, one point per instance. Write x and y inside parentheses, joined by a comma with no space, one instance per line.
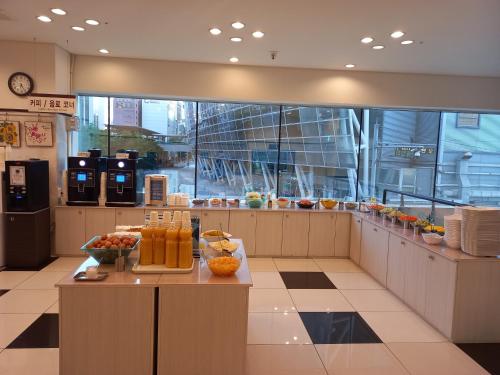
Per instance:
(65,104)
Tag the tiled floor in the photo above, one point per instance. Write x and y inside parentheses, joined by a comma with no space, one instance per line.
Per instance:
(306,317)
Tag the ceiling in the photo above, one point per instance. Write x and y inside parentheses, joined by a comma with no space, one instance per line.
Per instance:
(460,37)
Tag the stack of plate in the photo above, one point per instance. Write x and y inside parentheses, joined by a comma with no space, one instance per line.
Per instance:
(480,231)
(452,229)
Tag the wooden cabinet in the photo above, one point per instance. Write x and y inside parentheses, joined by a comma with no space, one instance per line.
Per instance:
(322,234)
(415,281)
(295,234)
(374,249)
(242,224)
(396,264)
(268,233)
(129,216)
(99,221)
(215,219)
(70,230)
(342,234)
(355,240)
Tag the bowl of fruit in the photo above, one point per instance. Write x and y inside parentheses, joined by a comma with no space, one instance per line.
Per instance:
(282,202)
(328,203)
(222,263)
(106,248)
(305,203)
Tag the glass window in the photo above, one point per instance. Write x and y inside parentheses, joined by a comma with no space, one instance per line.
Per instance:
(231,162)
(163,132)
(93,133)
(319,152)
(398,152)
(469,159)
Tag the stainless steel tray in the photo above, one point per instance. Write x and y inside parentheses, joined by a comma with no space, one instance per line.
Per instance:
(81,276)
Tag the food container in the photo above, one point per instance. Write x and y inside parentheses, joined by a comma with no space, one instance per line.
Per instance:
(350,205)
(214,235)
(432,238)
(305,204)
(222,264)
(108,256)
(328,203)
(198,202)
(254,203)
(282,202)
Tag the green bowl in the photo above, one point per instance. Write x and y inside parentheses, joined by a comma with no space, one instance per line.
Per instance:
(254,203)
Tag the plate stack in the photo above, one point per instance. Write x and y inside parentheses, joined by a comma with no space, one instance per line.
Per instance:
(452,229)
(480,231)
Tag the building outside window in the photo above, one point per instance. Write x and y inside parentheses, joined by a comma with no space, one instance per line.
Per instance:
(93,115)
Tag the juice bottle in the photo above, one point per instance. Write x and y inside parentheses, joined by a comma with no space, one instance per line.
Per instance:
(185,247)
(172,247)
(159,245)
(146,246)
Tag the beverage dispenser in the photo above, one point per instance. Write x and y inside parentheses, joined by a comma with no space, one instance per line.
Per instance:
(84,178)
(121,180)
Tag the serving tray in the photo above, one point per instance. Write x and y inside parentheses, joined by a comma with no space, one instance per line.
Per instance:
(159,268)
(81,276)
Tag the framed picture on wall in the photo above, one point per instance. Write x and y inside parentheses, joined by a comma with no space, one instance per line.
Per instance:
(9,133)
(38,134)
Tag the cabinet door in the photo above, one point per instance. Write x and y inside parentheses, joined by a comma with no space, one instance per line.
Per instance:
(396,264)
(242,225)
(374,249)
(295,234)
(99,221)
(70,230)
(215,219)
(322,234)
(129,216)
(268,233)
(415,283)
(342,234)
(440,292)
(355,240)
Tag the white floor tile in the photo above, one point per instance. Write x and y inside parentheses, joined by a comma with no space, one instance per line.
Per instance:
(54,309)
(359,359)
(43,280)
(435,359)
(261,264)
(270,300)
(29,362)
(283,360)
(27,301)
(11,279)
(337,265)
(401,327)
(67,264)
(12,325)
(353,280)
(319,300)
(269,280)
(276,328)
(374,300)
(296,265)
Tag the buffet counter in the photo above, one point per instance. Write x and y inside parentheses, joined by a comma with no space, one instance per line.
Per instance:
(162,324)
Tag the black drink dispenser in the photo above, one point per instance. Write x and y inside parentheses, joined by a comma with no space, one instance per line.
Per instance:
(121,182)
(84,178)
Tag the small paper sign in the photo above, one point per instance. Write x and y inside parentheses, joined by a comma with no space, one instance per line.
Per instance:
(65,104)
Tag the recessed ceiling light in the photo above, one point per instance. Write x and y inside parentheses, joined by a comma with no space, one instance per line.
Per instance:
(234,59)
(78,28)
(238,25)
(104,51)
(258,34)
(44,19)
(397,34)
(215,31)
(378,46)
(367,40)
(236,39)
(92,22)
(406,42)
(350,66)
(58,11)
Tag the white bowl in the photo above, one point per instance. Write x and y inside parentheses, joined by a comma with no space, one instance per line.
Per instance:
(432,238)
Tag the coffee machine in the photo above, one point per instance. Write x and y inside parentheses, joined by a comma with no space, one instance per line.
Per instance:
(84,178)
(121,180)
(26,223)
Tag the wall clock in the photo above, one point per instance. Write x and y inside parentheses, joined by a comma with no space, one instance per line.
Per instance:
(21,84)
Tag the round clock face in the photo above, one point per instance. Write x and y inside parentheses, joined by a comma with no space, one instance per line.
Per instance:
(21,84)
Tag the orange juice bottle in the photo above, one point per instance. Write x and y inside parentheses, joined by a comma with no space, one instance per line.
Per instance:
(146,246)
(159,245)
(172,247)
(185,247)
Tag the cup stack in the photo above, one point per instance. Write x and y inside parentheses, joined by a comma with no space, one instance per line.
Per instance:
(452,234)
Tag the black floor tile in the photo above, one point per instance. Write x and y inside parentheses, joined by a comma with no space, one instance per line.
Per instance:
(338,328)
(42,333)
(487,355)
(3,291)
(306,280)
(37,268)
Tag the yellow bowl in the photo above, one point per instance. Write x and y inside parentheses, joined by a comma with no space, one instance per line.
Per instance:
(328,203)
